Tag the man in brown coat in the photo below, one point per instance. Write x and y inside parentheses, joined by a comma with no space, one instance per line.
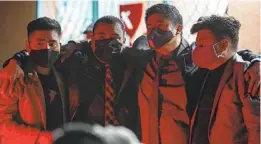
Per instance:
(225,113)
(41,104)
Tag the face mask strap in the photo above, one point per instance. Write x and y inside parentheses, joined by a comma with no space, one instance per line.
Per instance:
(217,55)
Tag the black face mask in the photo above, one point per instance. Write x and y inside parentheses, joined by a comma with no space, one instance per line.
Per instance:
(44,58)
(106,49)
(160,37)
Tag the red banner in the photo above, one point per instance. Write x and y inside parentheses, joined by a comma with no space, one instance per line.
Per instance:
(131,14)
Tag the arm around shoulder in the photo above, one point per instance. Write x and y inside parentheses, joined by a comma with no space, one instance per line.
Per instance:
(250,108)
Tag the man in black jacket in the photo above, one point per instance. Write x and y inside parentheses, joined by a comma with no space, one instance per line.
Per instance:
(100,77)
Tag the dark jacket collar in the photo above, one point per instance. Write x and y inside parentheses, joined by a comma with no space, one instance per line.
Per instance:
(182,46)
(180,50)
(29,67)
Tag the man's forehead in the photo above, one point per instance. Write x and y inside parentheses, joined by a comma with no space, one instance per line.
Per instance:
(108,28)
(158,19)
(205,33)
(45,34)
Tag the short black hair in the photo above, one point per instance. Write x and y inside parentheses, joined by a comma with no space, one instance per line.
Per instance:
(168,11)
(221,26)
(110,20)
(43,23)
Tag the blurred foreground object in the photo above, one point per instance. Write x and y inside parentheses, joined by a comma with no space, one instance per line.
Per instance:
(80,133)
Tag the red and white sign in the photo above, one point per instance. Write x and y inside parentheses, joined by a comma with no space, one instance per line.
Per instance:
(131,14)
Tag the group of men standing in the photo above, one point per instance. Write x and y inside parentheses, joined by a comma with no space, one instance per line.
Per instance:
(162,88)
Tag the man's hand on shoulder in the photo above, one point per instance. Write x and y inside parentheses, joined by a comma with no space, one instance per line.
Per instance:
(252,76)
(67,50)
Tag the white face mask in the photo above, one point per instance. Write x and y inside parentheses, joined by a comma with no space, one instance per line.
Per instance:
(204,57)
